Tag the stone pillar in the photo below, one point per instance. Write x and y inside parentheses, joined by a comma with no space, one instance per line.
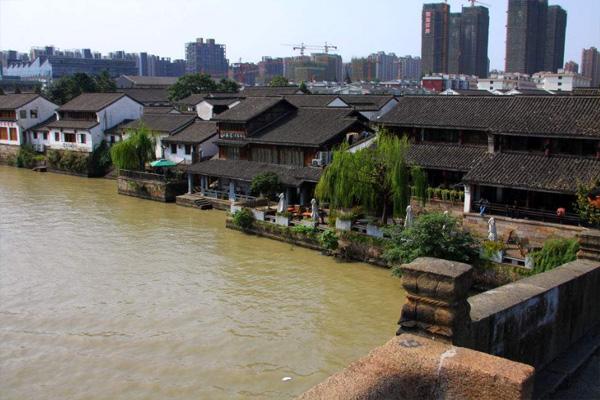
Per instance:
(468,199)
(499,195)
(436,299)
(589,245)
(190,183)
(203,184)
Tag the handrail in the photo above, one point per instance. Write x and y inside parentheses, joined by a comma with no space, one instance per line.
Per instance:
(142,175)
(530,213)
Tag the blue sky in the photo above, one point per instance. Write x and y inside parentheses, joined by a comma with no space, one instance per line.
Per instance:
(253,28)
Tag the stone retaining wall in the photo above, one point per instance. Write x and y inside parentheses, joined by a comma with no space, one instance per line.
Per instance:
(150,189)
(8,153)
(537,232)
(536,319)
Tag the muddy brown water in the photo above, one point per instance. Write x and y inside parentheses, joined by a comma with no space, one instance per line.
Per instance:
(105,296)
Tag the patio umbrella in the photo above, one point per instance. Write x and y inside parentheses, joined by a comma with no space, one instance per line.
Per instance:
(163,163)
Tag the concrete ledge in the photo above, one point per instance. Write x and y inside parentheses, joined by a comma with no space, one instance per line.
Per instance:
(414,367)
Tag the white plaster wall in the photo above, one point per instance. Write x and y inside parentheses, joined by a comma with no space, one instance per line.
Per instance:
(45,109)
(204,110)
(120,110)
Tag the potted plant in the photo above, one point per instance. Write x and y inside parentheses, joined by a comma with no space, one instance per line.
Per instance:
(492,250)
(283,218)
(343,221)
(374,228)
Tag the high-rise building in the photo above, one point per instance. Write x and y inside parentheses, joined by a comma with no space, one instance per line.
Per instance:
(556,26)
(535,36)
(434,38)
(454,43)
(474,28)
(590,65)
(333,65)
(268,68)
(572,66)
(206,57)
(525,32)
(384,65)
(409,68)
(363,69)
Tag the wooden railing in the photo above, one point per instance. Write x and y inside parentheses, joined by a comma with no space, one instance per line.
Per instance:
(223,195)
(528,213)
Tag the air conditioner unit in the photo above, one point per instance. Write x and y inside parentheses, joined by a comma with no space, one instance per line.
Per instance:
(316,162)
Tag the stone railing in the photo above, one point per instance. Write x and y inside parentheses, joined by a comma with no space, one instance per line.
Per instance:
(532,321)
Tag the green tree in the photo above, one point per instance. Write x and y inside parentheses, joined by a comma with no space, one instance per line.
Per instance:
(192,84)
(68,87)
(374,178)
(17,90)
(432,235)
(304,88)
(554,253)
(587,211)
(134,152)
(279,80)
(265,184)
(104,83)
(229,86)
(419,178)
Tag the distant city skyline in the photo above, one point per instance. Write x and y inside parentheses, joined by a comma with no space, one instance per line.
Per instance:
(251,30)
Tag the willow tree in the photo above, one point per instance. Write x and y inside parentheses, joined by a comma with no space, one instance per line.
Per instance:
(419,178)
(134,152)
(375,178)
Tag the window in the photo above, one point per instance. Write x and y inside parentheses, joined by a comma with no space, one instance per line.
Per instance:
(35,135)
(112,139)
(559,83)
(23,114)
(3,133)
(57,136)
(13,134)
(82,137)
(188,149)
(45,135)
(70,138)
(33,113)
(173,148)
(231,153)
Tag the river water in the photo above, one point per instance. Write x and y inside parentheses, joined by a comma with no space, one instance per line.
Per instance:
(105,296)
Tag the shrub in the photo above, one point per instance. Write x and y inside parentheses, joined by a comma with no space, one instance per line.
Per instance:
(430,192)
(587,212)
(432,235)
(329,239)
(265,184)
(445,194)
(491,247)
(437,192)
(453,195)
(243,218)
(554,253)
(53,157)
(26,157)
(304,230)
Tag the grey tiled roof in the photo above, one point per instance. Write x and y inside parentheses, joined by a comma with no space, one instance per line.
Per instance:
(74,124)
(534,172)
(445,157)
(91,102)
(246,170)
(162,123)
(306,127)
(151,80)
(160,110)
(558,116)
(310,100)
(13,101)
(195,133)
(248,109)
(260,91)
(148,96)
(365,102)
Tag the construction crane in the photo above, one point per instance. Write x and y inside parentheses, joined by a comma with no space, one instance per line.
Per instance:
(478,2)
(302,47)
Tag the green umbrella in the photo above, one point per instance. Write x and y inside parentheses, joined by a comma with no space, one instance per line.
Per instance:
(163,163)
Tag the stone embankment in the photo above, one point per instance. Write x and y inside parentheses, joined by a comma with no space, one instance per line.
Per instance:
(485,346)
